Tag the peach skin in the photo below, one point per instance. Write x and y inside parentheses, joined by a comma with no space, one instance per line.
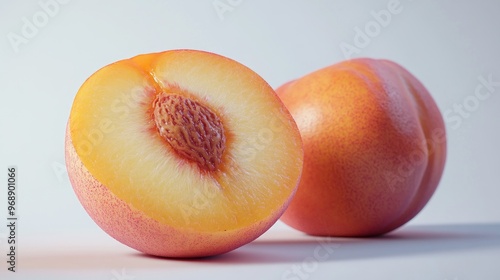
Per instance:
(374,148)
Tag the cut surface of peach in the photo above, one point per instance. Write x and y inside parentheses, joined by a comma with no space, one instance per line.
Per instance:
(182,153)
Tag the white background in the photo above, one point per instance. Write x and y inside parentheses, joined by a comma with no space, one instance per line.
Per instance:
(447,44)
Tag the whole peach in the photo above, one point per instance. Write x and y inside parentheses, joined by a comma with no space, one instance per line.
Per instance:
(374,148)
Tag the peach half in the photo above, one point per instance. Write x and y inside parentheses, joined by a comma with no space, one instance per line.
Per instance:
(182,153)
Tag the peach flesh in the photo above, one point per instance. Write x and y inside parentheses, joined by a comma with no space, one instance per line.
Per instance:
(146,233)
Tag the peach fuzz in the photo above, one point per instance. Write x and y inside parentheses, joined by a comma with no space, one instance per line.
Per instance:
(182,153)
(374,148)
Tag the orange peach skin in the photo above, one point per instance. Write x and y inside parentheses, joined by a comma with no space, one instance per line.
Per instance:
(374,148)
